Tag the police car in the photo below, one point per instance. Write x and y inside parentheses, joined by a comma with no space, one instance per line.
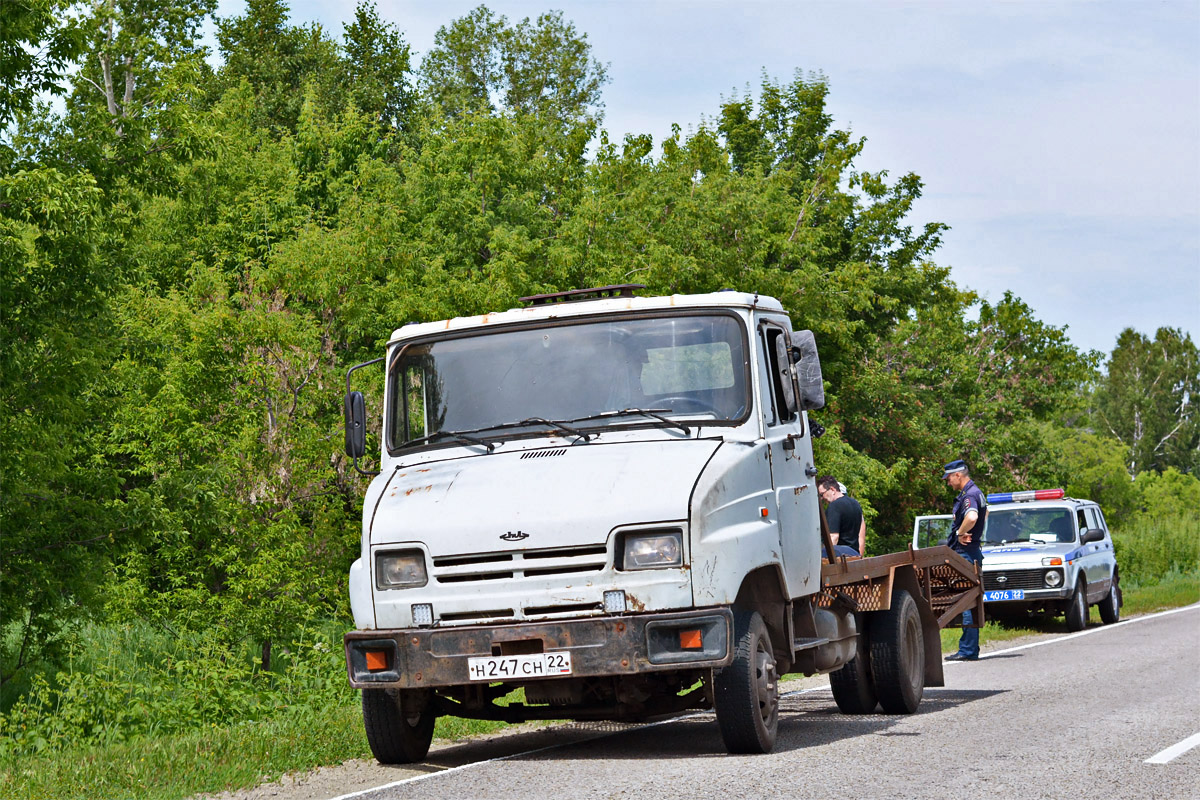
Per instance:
(1042,551)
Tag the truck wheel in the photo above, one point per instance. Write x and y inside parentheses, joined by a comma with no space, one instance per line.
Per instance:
(746,693)
(853,689)
(1077,611)
(898,655)
(1110,607)
(395,735)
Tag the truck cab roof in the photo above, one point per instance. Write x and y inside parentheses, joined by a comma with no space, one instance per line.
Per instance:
(581,308)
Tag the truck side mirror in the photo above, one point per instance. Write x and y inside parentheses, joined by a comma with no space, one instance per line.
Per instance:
(1092,535)
(808,371)
(355,411)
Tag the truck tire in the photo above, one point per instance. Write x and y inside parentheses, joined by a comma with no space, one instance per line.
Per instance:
(853,688)
(1077,609)
(746,693)
(1110,606)
(395,737)
(898,655)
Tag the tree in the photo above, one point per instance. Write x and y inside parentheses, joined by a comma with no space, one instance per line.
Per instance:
(1147,401)
(57,526)
(40,42)
(479,64)
(377,66)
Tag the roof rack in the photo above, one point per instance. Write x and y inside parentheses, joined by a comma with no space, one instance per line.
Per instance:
(575,295)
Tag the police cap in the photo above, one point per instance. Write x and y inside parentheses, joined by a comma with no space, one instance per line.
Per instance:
(953,467)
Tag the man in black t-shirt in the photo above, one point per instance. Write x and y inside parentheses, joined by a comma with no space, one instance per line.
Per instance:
(844,515)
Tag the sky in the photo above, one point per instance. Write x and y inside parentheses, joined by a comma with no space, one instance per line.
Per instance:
(1060,141)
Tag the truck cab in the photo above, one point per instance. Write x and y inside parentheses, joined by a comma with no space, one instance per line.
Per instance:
(1042,551)
(605,500)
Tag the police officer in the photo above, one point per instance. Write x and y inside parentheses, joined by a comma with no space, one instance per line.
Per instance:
(966,535)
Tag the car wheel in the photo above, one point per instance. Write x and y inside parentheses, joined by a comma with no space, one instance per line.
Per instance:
(853,688)
(898,655)
(746,693)
(1077,611)
(398,730)
(1110,608)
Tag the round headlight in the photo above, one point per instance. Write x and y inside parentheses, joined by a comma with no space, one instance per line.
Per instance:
(1053,578)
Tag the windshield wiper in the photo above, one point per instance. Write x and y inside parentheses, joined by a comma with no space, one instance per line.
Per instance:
(655,413)
(554,424)
(459,435)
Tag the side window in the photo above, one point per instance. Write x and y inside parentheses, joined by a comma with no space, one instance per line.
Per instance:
(1093,520)
(770,334)
(1082,521)
(765,389)
(1100,519)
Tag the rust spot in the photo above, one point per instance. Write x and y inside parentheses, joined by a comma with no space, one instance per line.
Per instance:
(417,676)
(633,603)
(620,627)
(418,489)
(416,641)
(624,662)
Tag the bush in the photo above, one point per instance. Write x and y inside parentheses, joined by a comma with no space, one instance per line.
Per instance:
(1150,548)
(121,683)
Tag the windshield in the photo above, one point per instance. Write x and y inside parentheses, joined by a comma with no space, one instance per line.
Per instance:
(682,367)
(1037,525)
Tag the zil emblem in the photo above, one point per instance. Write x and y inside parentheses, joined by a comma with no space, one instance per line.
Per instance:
(514,537)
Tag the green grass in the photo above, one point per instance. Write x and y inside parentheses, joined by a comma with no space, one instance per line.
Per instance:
(209,761)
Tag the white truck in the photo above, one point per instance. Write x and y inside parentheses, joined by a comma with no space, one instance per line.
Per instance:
(609,502)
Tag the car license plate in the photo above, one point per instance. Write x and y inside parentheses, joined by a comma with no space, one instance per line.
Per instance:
(1004,594)
(503,668)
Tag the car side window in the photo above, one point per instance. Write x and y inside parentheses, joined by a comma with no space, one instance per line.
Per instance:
(766,393)
(1083,525)
(768,336)
(1093,521)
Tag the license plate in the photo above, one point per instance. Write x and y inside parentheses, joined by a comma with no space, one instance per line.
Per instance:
(1004,594)
(503,668)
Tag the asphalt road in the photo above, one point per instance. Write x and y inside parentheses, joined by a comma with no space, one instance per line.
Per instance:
(1080,716)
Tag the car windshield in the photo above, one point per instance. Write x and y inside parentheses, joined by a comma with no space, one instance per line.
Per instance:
(1037,525)
(587,374)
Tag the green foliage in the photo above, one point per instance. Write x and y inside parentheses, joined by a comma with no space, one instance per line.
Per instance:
(40,41)
(1148,400)
(123,683)
(1150,549)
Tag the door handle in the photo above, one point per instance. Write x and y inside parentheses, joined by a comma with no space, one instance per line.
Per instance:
(810,471)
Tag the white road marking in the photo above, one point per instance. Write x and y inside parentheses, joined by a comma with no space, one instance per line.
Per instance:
(693,714)
(1174,750)
(1088,632)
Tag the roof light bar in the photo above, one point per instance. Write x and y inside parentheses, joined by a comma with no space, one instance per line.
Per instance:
(1026,496)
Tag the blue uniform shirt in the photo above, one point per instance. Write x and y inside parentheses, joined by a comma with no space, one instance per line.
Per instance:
(969,498)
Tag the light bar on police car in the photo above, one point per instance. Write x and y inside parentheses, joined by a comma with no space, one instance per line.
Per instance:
(1025,497)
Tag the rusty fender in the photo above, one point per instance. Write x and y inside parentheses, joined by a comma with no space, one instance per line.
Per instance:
(602,646)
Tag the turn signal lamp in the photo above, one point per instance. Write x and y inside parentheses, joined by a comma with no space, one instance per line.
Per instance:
(376,660)
(1025,497)
(690,640)
(1054,561)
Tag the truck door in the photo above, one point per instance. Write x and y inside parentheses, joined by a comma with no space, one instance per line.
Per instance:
(793,474)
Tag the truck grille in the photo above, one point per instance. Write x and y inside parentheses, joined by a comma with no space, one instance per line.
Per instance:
(519,564)
(1015,579)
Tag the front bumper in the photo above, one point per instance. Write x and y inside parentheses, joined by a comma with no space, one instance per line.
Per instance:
(423,658)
